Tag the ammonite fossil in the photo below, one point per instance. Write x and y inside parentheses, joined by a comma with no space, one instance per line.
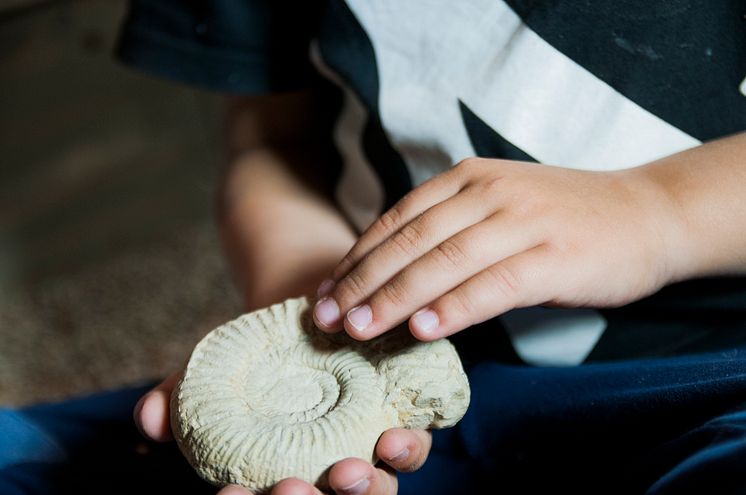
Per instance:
(267,396)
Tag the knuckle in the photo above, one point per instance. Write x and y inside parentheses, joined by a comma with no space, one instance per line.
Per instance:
(409,238)
(450,254)
(389,222)
(504,282)
(492,186)
(352,287)
(468,164)
(394,293)
(458,306)
(345,264)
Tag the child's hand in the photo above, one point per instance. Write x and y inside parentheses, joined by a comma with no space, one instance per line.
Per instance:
(491,235)
(400,449)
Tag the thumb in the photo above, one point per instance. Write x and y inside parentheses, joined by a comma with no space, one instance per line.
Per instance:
(152,413)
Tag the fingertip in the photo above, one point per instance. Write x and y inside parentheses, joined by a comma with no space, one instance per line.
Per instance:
(234,490)
(425,325)
(392,444)
(294,486)
(351,475)
(404,450)
(325,288)
(359,335)
(421,336)
(153,419)
(323,328)
(326,315)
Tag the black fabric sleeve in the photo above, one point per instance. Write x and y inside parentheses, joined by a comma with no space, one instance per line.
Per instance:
(234,46)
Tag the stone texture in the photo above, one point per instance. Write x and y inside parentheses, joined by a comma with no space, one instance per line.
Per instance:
(267,396)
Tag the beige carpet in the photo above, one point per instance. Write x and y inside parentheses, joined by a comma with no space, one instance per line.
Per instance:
(121,321)
(110,267)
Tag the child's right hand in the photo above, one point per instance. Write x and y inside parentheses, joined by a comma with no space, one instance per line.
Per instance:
(400,450)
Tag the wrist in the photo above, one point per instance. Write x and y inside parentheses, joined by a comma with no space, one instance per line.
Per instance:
(672,244)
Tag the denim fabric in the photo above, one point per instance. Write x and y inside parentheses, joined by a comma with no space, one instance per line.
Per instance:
(660,427)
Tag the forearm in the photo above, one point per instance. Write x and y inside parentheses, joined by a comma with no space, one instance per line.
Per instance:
(279,226)
(705,188)
(281,235)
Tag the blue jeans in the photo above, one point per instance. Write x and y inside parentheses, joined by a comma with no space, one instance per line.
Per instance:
(659,426)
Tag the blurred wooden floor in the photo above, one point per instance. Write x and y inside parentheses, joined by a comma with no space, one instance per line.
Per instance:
(109,263)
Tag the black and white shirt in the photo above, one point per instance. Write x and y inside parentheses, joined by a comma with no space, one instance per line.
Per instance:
(594,85)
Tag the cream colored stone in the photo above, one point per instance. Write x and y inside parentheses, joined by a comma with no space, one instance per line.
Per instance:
(267,396)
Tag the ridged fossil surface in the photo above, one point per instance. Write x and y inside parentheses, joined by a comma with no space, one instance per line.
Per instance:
(267,396)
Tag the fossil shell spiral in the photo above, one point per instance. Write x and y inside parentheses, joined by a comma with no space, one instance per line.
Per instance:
(267,396)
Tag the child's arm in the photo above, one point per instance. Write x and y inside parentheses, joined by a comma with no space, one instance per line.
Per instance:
(278,224)
(491,235)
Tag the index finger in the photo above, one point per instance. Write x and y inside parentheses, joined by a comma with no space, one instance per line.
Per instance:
(428,194)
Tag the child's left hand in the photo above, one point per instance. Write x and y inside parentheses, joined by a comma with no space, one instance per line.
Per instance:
(398,449)
(491,235)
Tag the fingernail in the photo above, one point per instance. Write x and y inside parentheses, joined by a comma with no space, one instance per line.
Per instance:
(425,321)
(325,287)
(360,317)
(400,456)
(356,488)
(326,311)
